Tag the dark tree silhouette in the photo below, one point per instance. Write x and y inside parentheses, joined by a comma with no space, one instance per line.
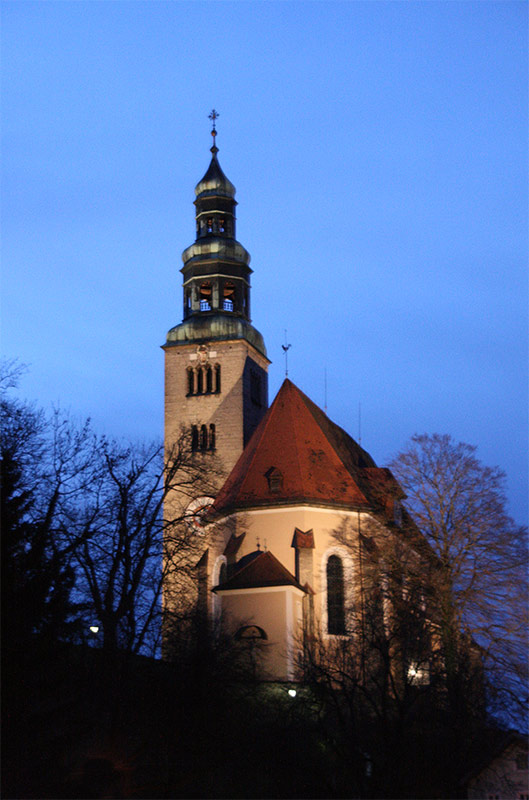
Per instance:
(480,590)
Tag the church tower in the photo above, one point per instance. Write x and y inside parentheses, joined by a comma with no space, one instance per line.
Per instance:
(216,381)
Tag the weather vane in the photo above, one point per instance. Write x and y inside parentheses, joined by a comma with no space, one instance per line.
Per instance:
(286,347)
(213,117)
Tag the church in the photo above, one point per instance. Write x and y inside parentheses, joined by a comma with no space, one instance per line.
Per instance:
(279,563)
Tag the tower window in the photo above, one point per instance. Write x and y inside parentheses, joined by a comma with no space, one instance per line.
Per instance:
(217,378)
(205,297)
(335,596)
(274,477)
(190,381)
(209,225)
(200,381)
(203,438)
(209,379)
(221,225)
(228,296)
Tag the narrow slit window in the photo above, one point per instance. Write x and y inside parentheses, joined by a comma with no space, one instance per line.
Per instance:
(200,381)
(203,438)
(209,379)
(190,381)
(212,437)
(194,437)
(217,378)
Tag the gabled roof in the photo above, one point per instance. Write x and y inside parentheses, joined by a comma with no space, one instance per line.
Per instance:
(297,455)
(258,570)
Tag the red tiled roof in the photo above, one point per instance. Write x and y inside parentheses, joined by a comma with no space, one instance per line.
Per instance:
(262,570)
(318,462)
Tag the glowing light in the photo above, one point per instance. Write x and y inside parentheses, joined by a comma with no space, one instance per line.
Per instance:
(94,628)
(292,692)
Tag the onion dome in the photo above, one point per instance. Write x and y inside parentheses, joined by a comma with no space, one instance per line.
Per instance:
(214,182)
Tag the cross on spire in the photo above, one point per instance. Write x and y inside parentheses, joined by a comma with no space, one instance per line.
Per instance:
(286,347)
(213,117)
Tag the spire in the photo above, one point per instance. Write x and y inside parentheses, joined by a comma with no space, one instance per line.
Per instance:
(216,266)
(215,183)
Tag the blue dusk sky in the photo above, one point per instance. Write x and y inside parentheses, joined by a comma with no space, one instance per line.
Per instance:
(379,150)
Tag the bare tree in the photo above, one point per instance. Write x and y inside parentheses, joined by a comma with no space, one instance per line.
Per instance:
(480,590)
(44,462)
(127,540)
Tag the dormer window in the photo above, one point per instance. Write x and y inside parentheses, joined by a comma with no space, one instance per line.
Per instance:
(274,477)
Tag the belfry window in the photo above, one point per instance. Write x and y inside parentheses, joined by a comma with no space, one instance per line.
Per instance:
(209,225)
(212,437)
(221,226)
(228,300)
(194,437)
(203,380)
(203,437)
(335,596)
(205,296)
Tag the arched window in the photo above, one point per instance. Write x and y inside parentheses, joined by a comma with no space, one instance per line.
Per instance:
(223,573)
(209,379)
(210,225)
(203,438)
(194,437)
(221,225)
(228,293)
(212,437)
(190,381)
(217,378)
(200,381)
(335,596)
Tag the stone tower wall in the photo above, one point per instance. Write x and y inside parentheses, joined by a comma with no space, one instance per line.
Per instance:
(234,410)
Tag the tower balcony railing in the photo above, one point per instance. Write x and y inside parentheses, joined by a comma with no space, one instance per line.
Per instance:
(227,305)
(204,305)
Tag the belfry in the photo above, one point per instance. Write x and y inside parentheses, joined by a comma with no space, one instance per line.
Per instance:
(216,383)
